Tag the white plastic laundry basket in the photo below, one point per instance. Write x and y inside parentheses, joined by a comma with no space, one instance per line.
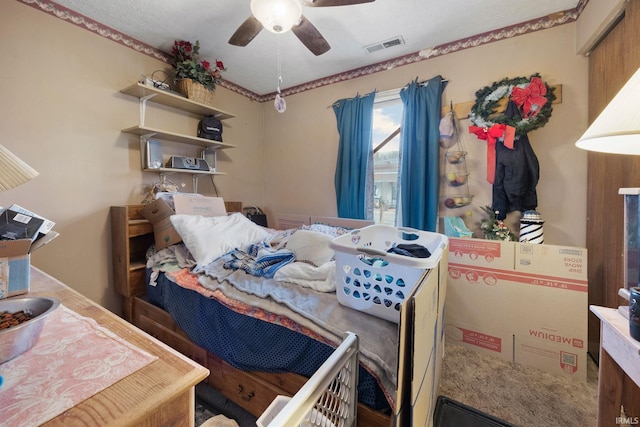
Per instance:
(372,280)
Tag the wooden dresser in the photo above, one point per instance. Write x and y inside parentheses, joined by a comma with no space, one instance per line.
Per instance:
(619,371)
(160,394)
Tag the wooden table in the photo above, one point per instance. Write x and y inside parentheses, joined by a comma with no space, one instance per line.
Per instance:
(619,371)
(160,394)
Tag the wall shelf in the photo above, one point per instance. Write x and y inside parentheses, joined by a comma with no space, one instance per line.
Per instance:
(148,132)
(169,171)
(174,100)
(146,94)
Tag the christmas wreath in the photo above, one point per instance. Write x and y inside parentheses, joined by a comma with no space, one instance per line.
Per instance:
(532,96)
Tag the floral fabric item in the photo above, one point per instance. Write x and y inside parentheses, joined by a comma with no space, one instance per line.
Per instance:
(74,359)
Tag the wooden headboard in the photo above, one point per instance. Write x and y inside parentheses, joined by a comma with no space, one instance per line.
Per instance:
(131,236)
(286,221)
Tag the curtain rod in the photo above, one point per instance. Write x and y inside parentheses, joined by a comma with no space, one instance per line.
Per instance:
(394,91)
(389,92)
(426,82)
(354,97)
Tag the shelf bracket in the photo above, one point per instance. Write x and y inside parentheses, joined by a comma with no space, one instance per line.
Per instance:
(195,183)
(148,135)
(143,107)
(164,175)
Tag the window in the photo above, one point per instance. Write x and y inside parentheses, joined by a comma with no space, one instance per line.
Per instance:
(387,116)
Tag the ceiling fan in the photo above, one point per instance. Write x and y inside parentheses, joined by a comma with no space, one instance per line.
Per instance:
(280,16)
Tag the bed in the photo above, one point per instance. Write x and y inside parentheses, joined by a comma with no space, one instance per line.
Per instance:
(279,348)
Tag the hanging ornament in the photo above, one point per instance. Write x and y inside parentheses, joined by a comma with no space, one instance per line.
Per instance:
(279,103)
(447,130)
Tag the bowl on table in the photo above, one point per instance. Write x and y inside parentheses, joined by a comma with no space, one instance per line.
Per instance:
(17,339)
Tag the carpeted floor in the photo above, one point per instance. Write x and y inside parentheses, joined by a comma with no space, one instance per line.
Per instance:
(522,396)
(517,394)
(204,412)
(210,403)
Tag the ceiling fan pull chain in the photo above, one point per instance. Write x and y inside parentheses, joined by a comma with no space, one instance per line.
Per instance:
(279,65)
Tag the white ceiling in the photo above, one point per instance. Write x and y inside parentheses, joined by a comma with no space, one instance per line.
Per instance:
(423,24)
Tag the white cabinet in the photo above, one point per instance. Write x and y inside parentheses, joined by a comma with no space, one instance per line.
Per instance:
(151,94)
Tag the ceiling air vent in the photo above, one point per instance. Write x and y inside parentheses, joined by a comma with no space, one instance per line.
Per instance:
(396,41)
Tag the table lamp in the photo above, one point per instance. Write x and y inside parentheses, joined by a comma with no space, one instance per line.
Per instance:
(13,171)
(617,128)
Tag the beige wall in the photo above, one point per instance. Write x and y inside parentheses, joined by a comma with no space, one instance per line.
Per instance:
(62,113)
(301,144)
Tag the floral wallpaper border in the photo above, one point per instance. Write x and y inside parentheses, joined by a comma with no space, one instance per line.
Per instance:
(504,33)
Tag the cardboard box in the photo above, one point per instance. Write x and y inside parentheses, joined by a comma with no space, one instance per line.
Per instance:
(482,338)
(567,263)
(522,302)
(439,338)
(482,253)
(15,263)
(563,357)
(419,349)
(423,368)
(194,204)
(159,211)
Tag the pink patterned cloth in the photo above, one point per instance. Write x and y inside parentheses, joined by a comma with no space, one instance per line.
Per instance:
(73,359)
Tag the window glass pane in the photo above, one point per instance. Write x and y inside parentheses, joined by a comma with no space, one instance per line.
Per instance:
(387,116)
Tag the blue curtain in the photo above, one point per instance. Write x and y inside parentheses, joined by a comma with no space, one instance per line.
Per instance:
(355,122)
(420,154)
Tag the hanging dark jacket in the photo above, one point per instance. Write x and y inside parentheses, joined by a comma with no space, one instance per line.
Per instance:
(517,174)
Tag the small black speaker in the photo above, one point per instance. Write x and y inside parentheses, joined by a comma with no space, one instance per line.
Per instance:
(154,154)
(256,215)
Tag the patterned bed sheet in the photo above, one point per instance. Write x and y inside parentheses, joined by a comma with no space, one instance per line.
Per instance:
(251,338)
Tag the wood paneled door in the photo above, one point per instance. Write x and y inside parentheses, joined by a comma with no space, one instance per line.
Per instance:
(611,64)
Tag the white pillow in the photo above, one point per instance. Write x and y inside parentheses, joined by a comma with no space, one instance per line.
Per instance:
(311,246)
(208,238)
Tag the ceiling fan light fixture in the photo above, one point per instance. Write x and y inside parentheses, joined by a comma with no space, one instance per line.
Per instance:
(277,16)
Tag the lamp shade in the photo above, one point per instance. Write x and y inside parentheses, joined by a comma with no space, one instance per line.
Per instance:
(13,171)
(277,16)
(617,128)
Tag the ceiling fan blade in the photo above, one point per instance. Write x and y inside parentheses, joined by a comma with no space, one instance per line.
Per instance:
(327,3)
(246,32)
(310,37)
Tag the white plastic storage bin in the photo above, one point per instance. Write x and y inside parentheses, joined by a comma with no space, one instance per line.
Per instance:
(372,280)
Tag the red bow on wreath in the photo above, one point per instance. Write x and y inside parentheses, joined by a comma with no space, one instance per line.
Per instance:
(491,135)
(531,98)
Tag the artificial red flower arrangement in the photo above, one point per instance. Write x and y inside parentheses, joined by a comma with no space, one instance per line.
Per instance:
(188,65)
